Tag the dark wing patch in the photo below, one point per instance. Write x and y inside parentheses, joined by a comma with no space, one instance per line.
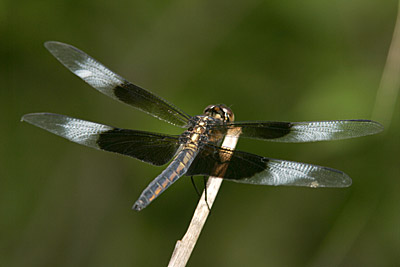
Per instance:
(225,163)
(153,148)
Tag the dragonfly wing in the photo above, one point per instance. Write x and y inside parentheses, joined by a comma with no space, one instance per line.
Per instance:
(298,132)
(111,84)
(156,149)
(248,168)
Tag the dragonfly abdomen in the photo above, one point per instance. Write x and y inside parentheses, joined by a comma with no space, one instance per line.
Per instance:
(173,172)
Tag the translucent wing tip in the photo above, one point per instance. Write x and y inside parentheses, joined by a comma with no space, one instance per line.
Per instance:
(23,118)
(46,121)
(50,44)
(32,118)
(346,181)
(332,180)
(54,45)
(376,127)
(329,177)
(65,53)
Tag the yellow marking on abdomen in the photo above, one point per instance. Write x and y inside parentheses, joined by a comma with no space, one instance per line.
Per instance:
(191,146)
(172,176)
(186,158)
(180,167)
(158,190)
(166,182)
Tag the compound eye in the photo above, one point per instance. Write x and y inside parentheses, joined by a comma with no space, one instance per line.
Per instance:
(208,108)
(228,114)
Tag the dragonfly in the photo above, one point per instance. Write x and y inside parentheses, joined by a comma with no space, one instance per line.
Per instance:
(197,151)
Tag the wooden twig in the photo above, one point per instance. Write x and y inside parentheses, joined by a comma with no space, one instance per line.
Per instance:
(184,247)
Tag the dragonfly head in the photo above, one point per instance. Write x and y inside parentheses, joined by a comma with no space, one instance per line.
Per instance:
(219,112)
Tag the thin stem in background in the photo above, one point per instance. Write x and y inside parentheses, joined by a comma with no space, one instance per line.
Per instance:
(388,90)
(356,215)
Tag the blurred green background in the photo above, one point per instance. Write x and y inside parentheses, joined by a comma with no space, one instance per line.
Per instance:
(62,204)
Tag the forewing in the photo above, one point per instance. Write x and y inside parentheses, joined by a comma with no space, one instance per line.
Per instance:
(248,168)
(113,85)
(149,147)
(297,132)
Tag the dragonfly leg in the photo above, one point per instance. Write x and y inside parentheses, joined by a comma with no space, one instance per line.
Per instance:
(195,187)
(205,191)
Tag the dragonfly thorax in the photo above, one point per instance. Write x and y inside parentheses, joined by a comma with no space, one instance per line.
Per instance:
(219,112)
(199,130)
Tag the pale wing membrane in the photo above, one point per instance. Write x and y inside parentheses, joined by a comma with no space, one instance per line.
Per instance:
(298,132)
(113,85)
(156,149)
(248,168)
